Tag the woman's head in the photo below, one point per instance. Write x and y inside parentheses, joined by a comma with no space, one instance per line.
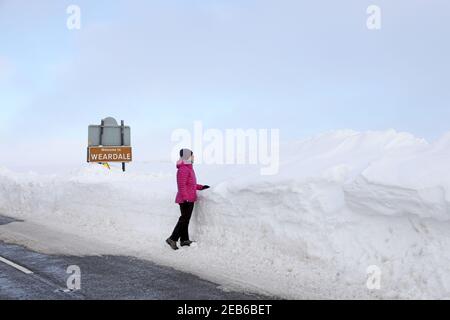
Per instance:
(187,156)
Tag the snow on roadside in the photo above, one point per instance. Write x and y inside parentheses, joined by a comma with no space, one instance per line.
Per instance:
(343,201)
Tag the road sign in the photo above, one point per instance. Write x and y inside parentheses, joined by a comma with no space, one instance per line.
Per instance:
(110,154)
(110,142)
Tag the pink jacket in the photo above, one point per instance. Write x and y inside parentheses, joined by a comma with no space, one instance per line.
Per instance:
(187,183)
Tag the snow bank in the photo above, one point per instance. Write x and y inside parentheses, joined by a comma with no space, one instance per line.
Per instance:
(342,202)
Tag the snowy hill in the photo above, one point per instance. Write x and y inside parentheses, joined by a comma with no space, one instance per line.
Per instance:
(343,201)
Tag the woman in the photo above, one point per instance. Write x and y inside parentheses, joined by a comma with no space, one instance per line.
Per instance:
(186,197)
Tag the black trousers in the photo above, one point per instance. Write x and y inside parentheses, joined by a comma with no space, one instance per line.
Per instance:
(181,231)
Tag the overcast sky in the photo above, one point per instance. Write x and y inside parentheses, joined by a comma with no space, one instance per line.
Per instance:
(301,66)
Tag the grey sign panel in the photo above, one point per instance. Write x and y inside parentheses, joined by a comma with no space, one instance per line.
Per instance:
(111,135)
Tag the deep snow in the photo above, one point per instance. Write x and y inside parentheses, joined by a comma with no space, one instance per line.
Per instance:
(343,201)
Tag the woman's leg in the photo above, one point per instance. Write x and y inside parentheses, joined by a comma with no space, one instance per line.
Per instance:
(184,235)
(183,223)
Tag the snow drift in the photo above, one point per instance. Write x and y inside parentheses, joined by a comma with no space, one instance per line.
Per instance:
(342,202)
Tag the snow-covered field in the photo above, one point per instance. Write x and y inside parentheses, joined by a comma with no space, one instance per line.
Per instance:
(343,201)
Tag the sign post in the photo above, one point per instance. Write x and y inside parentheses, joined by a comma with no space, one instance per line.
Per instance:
(109,142)
(122,126)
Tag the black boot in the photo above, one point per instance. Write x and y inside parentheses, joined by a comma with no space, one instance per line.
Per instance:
(186,243)
(172,244)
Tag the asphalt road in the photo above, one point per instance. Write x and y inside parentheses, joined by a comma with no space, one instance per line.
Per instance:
(102,277)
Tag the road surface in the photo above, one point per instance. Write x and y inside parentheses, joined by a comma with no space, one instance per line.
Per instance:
(26,273)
